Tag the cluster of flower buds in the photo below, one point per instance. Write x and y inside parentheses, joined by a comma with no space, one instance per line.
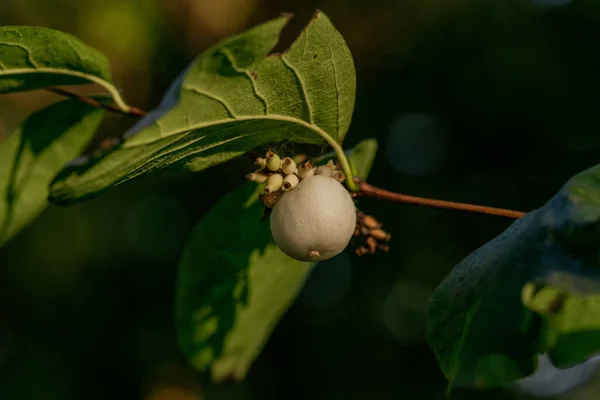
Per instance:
(282,175)
(368,231)
(279,174)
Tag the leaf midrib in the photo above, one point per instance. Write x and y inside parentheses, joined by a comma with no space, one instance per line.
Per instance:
(58,71)
(110,88)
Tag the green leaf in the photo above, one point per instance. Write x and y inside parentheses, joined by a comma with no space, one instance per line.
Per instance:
(36,58)
(234,285)
(362,157)
(572,322)
(537,287)
(233,98)
(32,155)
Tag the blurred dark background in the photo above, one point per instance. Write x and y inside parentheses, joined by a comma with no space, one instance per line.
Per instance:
(488,102)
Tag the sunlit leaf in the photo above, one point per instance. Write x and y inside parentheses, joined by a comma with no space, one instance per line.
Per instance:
(32,155)
(234,285)
(233,98)
(572,320)
(35,58)
(533,289)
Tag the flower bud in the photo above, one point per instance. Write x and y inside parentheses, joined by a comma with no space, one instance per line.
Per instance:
(305,170)
(324,170)
(274,183)
(290,182)
(338,175)
(273,161)
(371,222)
(288,166)
(261,162)
(380,234)
(258,177)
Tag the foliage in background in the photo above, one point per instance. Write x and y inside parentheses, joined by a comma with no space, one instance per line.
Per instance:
(489,104)
(535,287)
(229,101)
(34,154)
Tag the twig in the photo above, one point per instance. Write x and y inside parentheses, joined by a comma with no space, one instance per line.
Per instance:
(133,112)
(366,189)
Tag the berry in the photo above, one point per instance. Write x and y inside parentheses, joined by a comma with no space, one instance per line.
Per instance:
(315,221)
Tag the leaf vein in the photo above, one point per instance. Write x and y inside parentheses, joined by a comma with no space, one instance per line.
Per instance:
(273,117)
(184,155)
(230,58)
(20,46)
(337,96)
(302,89)
(212,97)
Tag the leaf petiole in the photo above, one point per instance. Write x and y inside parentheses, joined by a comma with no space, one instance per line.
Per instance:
(132,111)
(339,151)
(341,156)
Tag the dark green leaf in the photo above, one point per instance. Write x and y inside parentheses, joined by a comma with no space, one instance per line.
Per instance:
(233,98)
(536,288)
(362,157)
(234,285)
(35,58)
(31,157)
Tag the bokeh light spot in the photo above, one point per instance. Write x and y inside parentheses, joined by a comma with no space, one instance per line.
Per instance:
(404,312)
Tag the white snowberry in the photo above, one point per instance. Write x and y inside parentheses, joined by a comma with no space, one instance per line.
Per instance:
(315,221)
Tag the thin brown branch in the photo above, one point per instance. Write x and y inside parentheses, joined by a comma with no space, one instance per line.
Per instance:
(366,189)
(133,112)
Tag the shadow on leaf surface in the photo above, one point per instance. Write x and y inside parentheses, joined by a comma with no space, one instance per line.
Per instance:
(536,287)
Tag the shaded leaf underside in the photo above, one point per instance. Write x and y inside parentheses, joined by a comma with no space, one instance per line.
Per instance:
(233,98)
